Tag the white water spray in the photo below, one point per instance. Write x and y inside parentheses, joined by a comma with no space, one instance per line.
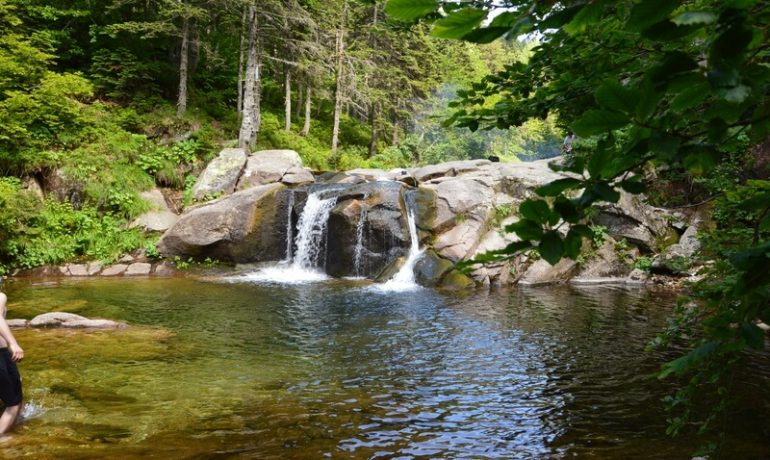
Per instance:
(303,265)
(358,254)
(404,279)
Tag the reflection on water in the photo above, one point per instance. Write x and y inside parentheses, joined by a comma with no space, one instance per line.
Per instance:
(335,369)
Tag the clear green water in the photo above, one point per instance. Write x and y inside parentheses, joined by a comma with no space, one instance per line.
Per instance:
(214,369)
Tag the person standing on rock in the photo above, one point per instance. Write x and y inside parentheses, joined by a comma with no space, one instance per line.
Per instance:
(10,380)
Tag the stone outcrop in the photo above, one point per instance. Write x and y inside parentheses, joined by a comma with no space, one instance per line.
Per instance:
(460,209)
(384,235)
(247,226)
(160,217)
(221,174)
(271,166)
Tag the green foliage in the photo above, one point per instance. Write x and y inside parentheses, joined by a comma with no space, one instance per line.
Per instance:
(643,263)
(50,115)
(59,233)
(652,82)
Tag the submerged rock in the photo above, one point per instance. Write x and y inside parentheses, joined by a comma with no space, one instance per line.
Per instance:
(71,320)
(431,269)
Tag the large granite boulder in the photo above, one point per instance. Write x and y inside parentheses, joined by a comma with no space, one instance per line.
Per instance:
(220,175)
(270,166)
(541,272)
(430,269)
(458,199)
(383,233)
(247,226)
(160,217)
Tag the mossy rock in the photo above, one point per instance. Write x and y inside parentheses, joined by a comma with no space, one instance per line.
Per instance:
(431,268)
(456,280)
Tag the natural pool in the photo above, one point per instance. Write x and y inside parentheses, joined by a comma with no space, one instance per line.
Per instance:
(335,369)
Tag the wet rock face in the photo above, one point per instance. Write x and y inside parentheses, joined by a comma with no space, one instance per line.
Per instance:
(379,239)
(248,226)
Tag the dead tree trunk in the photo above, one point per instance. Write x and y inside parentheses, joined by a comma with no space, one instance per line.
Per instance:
(247,136)
(308,103)
(287,98)
(340,49)
(181,103)
(240,64)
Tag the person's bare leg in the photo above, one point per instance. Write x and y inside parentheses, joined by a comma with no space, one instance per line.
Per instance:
(9,417)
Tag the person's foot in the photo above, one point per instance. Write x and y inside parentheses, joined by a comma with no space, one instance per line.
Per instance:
(5,438)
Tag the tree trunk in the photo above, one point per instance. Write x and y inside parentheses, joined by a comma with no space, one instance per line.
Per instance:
(287,98)
(300,99)
(373,112)
(240,65)
(181,103)
(340,49)
(247,136)
(395,139)
(308,103)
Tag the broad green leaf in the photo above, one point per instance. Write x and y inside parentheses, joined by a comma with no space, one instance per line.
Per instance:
(736,94)
(633,186)
(694,17)
(535,210)
(613,95)
(599,121)
(606,192)
(486,35)
(730,45)
(495,256)
(648,12)
(690,97)
(459,23)
(588,15)
(526,229)
(551,247)
(666,31)
(572,244)
(409,10)
(506,19)
(567,209)
(556,187)
(559,18)
(582,230)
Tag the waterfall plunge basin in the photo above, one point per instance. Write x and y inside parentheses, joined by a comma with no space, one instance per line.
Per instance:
(240,369)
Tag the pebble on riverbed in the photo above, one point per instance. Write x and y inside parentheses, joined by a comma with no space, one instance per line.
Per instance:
(66,320)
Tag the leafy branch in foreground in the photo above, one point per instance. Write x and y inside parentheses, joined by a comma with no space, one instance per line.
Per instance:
(664,83)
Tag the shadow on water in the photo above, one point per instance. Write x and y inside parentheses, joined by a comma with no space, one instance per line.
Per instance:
(335,369)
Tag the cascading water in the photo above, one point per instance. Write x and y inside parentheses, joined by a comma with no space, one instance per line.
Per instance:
(289,229)
(358,254)
(302,265)
(311,231)
(404,279)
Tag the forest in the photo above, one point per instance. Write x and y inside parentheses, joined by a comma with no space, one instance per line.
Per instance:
(120,96)
(667,98)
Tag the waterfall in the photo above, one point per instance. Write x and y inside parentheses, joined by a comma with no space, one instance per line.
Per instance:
(359,249)
(289,228)
(404,279)
(312,231)
(302,265)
